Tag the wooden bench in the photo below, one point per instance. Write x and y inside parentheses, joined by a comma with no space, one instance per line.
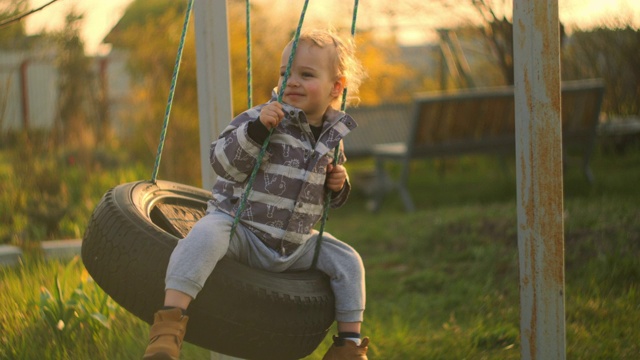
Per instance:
(378,124)
(475,121)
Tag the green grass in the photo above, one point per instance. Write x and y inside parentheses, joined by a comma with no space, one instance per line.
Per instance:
(442,283)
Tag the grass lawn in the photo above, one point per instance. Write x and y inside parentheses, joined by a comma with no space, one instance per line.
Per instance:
(442,282)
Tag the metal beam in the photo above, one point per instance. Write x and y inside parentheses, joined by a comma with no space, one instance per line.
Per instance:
(214,77)
(214,86)
(539,178)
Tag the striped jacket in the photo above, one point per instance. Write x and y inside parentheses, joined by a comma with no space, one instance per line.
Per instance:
(288,193)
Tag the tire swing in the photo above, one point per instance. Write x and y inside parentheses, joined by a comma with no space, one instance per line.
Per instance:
(241,311)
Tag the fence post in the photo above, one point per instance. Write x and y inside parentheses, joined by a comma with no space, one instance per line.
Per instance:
(539,178)
(24,95)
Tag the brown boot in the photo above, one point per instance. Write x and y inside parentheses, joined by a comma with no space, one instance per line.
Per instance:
(347,350)
(166,334)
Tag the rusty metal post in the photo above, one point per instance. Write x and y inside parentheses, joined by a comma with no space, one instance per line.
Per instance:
(539,176)
(24,95)
(214,78)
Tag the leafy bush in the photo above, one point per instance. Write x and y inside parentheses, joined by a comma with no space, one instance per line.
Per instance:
(50,194)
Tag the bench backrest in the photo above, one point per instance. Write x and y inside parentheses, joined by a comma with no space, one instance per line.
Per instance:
(379,124)
(471,120)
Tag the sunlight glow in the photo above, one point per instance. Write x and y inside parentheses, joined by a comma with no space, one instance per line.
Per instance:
(101,16)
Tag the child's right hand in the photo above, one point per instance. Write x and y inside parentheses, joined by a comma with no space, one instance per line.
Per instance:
(271,114)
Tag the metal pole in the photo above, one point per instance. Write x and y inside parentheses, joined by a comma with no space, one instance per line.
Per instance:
(214,77)
(24,95)
(214,85)
(539,176)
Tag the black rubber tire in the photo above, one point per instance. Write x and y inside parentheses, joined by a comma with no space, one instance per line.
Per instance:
(241,311)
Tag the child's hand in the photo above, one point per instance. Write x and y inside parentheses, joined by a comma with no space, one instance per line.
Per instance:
(271,114)
(336,177)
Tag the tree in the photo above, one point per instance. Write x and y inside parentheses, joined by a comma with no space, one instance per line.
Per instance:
(613,54)
(389,80)
(150,32)
(73,84)
(266,48)
(498,33)
(12,36)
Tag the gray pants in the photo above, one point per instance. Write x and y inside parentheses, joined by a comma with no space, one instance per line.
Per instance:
(194,258)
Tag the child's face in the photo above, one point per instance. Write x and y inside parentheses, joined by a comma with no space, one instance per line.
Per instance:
(313,83)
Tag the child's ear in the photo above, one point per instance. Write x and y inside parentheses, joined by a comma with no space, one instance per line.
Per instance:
(338,86)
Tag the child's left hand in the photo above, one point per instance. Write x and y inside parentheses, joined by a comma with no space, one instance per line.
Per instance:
(336,177)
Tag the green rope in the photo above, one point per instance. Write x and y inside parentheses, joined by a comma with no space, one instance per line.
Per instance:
(174,80)
(263,149)
(336,154)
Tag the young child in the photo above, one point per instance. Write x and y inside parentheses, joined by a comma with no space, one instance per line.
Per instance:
(275,231)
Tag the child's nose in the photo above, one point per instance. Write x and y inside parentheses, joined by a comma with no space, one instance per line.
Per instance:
(292,81)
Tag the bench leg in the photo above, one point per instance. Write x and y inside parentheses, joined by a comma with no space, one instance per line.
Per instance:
(586,167)
(382,184)
(406,199)
(587,171)
(402,187)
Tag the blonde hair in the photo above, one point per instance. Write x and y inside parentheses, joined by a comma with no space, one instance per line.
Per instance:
(346,64)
